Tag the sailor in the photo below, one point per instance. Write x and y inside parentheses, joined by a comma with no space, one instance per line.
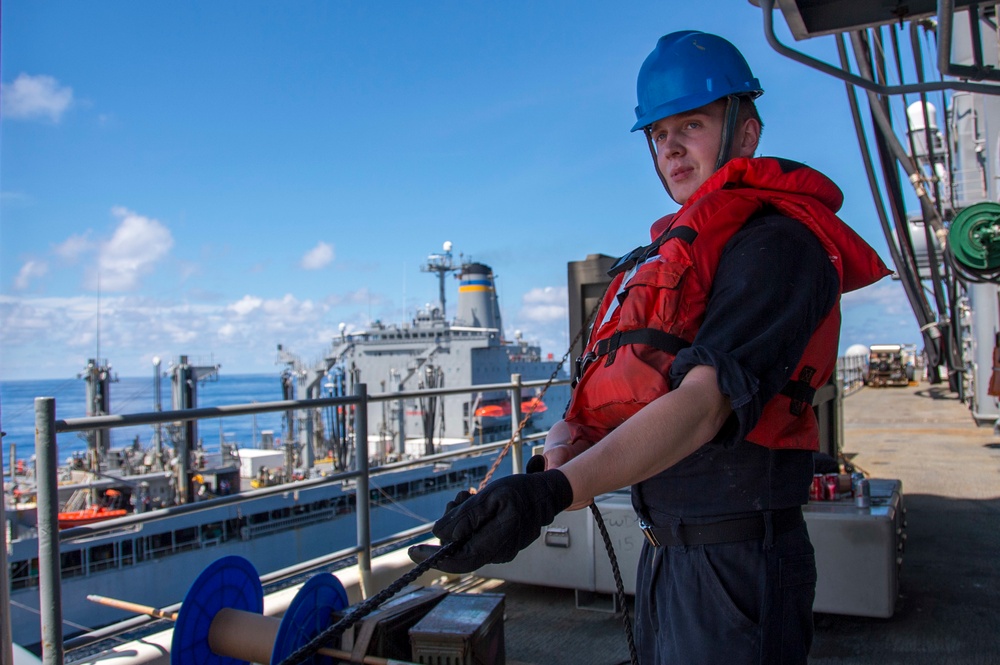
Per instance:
(697,381)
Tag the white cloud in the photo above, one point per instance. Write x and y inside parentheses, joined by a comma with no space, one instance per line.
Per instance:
(31,97)
(50,336)
(227,331)
(137,244)
(879,313)
(318,257)
(544,305)
(246,305)
(71,248)
(882,292)
(31,269)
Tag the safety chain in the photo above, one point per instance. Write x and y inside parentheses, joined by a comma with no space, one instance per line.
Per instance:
(524,421)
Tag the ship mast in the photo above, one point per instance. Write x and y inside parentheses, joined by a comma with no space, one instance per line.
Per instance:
(98,376)
(184,395)
(442,265)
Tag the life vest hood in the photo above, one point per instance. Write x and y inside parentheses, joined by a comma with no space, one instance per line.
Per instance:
(791,187)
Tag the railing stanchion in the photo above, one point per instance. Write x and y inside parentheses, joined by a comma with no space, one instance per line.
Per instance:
(49,562)
(362,496)
(516,454)
(6,641)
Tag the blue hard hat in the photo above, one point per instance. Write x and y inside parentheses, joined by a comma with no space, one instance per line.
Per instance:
(689,69)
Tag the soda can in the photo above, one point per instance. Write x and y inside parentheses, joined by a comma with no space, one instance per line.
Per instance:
(855,477)
(816,489)
(830,481)
(863,496)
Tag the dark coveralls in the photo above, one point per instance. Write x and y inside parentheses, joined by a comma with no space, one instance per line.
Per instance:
(742,591)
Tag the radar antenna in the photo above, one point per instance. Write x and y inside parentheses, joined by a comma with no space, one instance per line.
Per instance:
(441,264)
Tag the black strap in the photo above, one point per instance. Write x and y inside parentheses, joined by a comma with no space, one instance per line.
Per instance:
(641,254)
(726,531)
(728,130)
(800,391)
(654,337)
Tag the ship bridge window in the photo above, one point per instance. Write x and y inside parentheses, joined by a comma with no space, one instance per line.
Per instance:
(160,544)
(24,574)
(103,557)
(186,539)
(129,552)
(213,532)
(71,563)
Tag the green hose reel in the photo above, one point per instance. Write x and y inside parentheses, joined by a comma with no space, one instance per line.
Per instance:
(974,237)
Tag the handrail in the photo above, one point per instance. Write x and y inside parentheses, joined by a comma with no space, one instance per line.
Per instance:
(50,537)
(156,417)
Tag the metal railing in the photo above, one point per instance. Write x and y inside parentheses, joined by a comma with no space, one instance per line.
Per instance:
(852,371)
(50,537)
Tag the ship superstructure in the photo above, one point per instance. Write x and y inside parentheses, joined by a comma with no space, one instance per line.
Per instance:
(428,352)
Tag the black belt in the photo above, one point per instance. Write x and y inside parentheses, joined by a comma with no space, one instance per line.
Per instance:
(726,531)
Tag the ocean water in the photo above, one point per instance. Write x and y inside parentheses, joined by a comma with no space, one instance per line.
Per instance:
(135,395)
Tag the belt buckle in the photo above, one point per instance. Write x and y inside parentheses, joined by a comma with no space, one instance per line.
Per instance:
(647,530)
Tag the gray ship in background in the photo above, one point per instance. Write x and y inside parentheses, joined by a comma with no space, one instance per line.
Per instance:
(155,555)
(429,352)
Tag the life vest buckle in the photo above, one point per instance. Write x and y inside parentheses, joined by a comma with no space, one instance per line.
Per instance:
(583,362)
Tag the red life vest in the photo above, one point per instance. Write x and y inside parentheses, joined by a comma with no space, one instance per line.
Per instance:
(656,301)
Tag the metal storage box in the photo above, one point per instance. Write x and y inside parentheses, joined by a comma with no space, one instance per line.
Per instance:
(463,629)
(858,551)
(623,528)
(561,557)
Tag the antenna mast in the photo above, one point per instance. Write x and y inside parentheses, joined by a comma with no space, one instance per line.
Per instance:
(440,264)
(98,353)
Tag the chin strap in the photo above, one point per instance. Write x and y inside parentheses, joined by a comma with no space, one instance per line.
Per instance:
(725,149)
(656,164)
(728,130)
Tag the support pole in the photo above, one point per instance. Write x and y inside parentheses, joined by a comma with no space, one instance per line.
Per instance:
(362,496)
(516,449)
(49,582)
(6,641)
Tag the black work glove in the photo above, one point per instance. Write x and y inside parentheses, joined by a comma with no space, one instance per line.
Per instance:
(498,522)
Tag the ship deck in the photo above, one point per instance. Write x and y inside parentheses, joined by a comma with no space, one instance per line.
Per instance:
(949,604)
(949,601)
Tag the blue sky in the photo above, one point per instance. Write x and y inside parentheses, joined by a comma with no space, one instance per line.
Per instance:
(230,176)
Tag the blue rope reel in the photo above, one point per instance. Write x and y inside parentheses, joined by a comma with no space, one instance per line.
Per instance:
(230,582)
(309,614)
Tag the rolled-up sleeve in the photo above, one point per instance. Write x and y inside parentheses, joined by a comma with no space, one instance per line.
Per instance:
(773,286)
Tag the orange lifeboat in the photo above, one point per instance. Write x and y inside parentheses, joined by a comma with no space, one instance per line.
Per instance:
(533,405)
(97,513)
(89,516)
(492,411)
(528,407)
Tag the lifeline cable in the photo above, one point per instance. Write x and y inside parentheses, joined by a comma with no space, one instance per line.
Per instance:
(626,620)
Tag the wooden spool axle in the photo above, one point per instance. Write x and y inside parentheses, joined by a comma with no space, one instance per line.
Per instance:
(239,634)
